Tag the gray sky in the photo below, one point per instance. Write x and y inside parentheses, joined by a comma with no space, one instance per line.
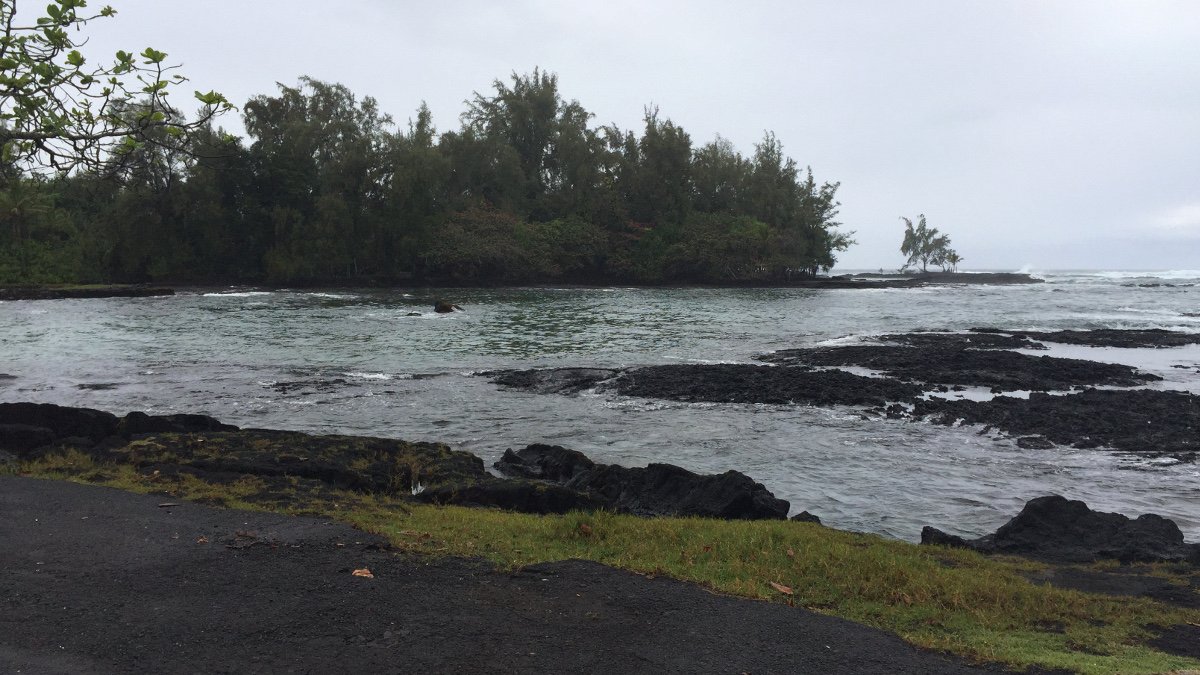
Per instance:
(1041,133)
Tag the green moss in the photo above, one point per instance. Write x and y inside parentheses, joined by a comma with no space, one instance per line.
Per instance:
(939,598)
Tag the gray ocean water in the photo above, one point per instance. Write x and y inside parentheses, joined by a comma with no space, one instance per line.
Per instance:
(356,362)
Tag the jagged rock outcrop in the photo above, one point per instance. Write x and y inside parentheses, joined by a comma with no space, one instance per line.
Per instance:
(1055,529)
(548,479)
(27,429)
(655,490)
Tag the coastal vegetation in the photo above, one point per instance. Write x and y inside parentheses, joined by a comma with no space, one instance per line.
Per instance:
(59,113)
(326,189)
(982,608)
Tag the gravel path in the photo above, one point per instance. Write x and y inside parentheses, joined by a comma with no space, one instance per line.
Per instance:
(95,580)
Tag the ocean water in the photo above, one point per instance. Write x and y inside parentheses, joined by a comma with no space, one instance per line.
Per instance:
(360,362)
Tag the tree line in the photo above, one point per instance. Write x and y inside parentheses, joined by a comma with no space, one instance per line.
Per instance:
(326,189)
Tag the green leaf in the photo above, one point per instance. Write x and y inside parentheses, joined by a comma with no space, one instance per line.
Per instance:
(75,58)
(153,56)
(211,98)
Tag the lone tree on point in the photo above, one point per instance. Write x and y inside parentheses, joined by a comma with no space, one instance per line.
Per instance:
(924,245)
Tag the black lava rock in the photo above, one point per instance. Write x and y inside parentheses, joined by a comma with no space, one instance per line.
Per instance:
(743,383)
(656,490)
(544,462)
(805,517)
(141,423)
(954,360)
(667,490)
(20,439)
(62,421)
(1059,530)
(553,380)
(525,496)
(1142,420)
(1156,338)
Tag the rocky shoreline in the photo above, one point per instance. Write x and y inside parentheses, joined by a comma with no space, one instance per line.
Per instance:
(295,467)
(539,479)
(80,292)
(1057,530)
(914,376)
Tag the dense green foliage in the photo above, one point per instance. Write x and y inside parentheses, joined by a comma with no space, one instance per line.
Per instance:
(60,112)
(326,190)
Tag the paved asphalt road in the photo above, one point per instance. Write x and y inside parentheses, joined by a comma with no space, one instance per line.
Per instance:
(95,580)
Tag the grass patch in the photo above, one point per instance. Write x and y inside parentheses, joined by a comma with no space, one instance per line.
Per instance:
(939,598)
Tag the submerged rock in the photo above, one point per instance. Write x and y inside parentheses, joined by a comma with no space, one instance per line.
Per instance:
(1059,530)
(553,380)
(655,490)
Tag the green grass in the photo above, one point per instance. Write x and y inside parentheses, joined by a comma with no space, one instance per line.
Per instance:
(939,598)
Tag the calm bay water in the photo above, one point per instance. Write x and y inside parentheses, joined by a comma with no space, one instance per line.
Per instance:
(356,362)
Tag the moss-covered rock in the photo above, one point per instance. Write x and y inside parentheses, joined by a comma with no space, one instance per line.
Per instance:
(362,464)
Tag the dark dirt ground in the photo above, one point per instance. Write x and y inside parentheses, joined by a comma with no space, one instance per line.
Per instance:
(99,581)
(1122,581)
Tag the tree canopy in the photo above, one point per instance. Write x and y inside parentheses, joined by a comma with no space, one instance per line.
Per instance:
(327,189)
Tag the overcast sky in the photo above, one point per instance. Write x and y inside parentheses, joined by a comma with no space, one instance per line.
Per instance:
(1041,134)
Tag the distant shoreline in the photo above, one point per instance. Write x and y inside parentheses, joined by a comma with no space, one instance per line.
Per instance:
(868,280)
(55,292)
